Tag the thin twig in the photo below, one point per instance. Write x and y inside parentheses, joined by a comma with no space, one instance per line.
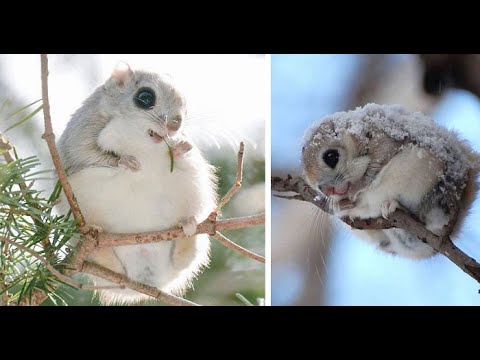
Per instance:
(49,137)
(205,227)
(235,187)
(230,244)
(398,219)
(54,271)
(97,270)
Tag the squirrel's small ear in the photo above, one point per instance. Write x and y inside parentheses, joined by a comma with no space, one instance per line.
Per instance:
(122,74)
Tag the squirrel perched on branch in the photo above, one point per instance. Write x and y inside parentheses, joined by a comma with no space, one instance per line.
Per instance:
(370,161)
(133,170)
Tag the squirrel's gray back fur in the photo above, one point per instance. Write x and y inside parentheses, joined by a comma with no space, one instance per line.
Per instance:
(78,144)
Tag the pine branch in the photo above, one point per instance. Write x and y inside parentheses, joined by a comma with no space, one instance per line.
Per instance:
(54,271)
(398,219)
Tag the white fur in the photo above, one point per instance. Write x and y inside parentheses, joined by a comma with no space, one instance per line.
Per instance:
(405,179)
(123,201)
(435,220)
(123,181)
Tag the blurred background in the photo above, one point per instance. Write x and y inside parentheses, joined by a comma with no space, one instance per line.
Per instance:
(226,100)
(318,262)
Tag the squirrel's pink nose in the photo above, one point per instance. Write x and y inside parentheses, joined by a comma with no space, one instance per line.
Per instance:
(327,190)
(332,190)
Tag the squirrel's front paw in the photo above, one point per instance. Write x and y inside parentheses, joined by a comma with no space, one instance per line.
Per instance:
(389,207)
(129,162)
(342,208)
(189,226)
(181,148)
(346,204)
(96,228)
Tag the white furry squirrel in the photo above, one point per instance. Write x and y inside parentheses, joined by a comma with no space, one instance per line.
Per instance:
(372,160)
(119,166)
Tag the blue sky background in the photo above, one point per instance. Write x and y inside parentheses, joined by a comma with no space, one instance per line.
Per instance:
(307,87)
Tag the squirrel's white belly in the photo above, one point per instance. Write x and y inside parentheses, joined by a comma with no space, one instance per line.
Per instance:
(120,200)
(151,199)
(408,177)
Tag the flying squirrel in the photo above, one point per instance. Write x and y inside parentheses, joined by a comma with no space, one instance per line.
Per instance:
(114,150)
(372,160)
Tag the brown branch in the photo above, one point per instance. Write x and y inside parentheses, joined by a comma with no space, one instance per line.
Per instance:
(205,227)
(49,137)
(230,244)
(97,270)
(399,219)
(235,187)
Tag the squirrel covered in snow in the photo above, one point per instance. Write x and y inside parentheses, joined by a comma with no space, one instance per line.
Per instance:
(372,160)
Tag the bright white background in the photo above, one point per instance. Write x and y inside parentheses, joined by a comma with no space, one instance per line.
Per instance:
(225,93)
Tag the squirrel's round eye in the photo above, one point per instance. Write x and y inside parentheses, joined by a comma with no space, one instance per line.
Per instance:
(331,158)
(145,98)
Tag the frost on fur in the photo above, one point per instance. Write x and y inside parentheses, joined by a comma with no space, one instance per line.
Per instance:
(377,158)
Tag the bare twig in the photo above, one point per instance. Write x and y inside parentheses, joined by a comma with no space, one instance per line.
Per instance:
(49,137)
(97,270)
(299,186)
(399,219)
(230,244)
(235,187)
(205,227)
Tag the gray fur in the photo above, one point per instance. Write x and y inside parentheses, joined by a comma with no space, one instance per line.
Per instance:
(366,143)
(78,145)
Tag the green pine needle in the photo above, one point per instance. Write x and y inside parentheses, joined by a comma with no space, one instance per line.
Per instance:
(27,218)
(243,299)
(170,153)
(25,119)
(21,109)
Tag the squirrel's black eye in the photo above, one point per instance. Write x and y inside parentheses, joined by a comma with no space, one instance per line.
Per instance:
(145,98)
(331,158)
